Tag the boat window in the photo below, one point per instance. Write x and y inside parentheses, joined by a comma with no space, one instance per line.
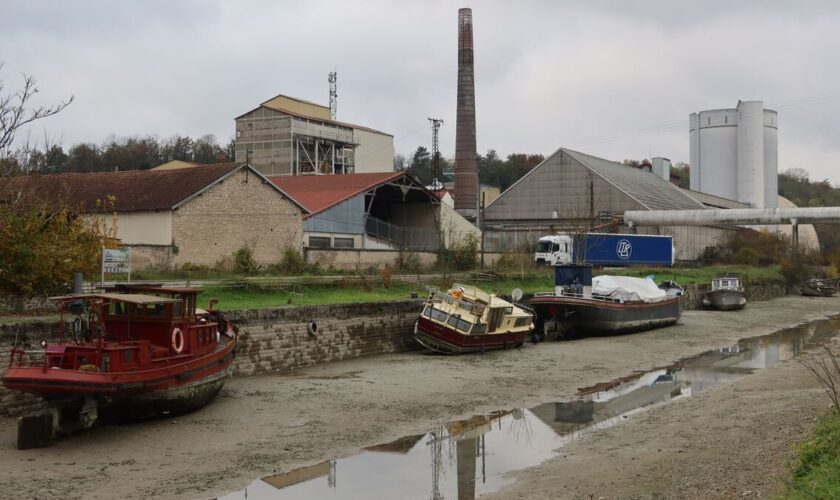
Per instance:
(453,320)
(438,315)
(116,309)
(463,325)
(508,311)
(479,328)
(477,309)
(427,312)
(522,321)
(467,306)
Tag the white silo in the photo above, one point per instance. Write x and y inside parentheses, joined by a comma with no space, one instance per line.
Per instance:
(734,153)
(771,159)
(751,153)
(714,149)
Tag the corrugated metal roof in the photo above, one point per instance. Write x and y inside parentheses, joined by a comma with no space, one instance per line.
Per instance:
(645,187)
(132,190)
(317,193)
(711,200)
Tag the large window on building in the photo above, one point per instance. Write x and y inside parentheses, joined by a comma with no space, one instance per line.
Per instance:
(319,242)
(343,242)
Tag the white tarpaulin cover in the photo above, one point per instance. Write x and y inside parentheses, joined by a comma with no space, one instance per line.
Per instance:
(628,289)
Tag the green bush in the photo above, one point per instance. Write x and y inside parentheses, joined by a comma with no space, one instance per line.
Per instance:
(465,253)
(816,473)
(292,263)
(747,256)
(244,259)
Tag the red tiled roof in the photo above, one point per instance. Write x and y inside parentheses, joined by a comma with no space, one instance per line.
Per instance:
(133,190)
(320,192)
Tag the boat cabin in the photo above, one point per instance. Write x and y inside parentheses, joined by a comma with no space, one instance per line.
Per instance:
(727,282)
(123,332)
(472,311)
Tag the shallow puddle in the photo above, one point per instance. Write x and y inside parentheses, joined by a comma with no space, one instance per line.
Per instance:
(466,458)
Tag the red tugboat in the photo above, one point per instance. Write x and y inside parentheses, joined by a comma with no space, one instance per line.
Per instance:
(467,319)
(132,353)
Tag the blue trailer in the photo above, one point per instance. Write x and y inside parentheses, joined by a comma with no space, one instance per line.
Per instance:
(601,249)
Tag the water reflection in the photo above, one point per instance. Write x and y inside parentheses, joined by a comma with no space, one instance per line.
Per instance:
(467,458)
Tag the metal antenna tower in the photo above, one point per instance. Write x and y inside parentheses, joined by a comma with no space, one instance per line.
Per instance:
(436,123)
(333,94)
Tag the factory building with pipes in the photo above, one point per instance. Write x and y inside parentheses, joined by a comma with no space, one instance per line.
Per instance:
(735,154)
(289,136)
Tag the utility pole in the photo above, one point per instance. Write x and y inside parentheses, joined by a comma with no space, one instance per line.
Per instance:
(481,228)
(333,94)
(436,123)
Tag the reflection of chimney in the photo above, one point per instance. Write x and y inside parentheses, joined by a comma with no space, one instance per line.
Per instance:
(466,165)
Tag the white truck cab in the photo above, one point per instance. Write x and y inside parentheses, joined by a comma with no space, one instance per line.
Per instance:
(554,250)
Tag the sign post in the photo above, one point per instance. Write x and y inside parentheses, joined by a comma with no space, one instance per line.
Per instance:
(115,261)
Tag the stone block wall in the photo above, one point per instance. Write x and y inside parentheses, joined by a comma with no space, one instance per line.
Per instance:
(241,210)
(277,340)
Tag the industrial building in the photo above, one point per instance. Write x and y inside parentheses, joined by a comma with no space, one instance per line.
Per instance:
(571,191)
(289,136)
(367,219)
(735,153)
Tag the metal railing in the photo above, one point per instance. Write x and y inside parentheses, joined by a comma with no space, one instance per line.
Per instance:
(418,239)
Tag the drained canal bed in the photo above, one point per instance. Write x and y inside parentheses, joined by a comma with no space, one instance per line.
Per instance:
(466,458)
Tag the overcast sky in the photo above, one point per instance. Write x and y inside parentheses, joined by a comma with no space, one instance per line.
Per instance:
(616,79)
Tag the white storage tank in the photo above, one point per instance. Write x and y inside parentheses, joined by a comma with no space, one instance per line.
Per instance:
(714,148)
(734,153)
(771,159)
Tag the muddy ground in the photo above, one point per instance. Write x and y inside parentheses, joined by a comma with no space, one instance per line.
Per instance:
(730,441)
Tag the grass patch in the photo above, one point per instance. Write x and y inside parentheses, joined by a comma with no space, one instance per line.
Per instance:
(254,296)
(702,275)
(816,472)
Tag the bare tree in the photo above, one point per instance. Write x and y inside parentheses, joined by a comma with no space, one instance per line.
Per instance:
(17,111)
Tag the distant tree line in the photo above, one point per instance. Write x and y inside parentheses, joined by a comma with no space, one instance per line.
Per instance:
(492,169)
(126,153)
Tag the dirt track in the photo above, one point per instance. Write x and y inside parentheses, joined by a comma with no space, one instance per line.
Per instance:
(730,441)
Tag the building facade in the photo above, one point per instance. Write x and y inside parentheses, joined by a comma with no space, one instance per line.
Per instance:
(288,136)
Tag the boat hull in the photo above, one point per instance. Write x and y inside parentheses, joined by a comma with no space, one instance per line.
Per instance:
(724,300)
(562,317)
(175,389)
(437,338)
(810,291)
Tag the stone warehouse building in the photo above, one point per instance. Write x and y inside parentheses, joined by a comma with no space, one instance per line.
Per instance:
(289,136)
(197,215)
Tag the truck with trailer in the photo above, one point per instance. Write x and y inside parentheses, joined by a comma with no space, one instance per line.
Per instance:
(605,249)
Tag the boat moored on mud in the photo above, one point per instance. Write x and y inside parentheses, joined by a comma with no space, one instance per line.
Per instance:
(467,319)
(130,354)
(816,287)
(726,294)
(581,305)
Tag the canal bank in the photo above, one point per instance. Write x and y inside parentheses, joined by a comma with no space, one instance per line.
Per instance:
(270,424)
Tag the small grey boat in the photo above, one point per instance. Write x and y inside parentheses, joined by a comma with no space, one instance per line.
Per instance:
(727,294)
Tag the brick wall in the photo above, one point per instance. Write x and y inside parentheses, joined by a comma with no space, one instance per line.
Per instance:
(241,210)
(271,340)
